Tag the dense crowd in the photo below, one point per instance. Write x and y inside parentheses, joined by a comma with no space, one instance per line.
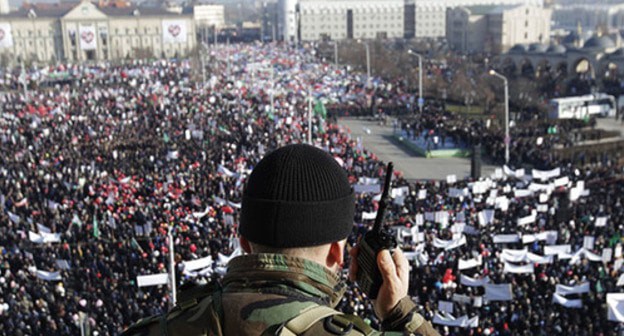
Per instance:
(532,143)
(97,167)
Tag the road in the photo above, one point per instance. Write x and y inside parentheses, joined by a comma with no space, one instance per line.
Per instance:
(379,141)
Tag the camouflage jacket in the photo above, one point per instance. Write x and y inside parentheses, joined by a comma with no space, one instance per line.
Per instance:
(261,292)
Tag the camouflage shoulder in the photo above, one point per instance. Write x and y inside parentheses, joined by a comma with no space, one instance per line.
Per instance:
(352,325)
(196,313)
(342,324)
(146,327)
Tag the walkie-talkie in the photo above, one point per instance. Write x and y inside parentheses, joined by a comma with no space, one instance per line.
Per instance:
(368,276)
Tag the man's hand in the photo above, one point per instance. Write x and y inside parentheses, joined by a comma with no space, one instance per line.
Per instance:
(394,271)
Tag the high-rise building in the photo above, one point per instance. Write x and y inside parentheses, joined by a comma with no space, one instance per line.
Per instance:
(305,20)
(496,28)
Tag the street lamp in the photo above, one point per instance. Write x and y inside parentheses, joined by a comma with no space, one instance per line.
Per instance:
(335,52)
(421,100)
(367,60)
(507,139)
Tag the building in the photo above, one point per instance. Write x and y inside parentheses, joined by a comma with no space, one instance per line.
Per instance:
(496,28)
(83,31)
(430,19)
(306,20)
(209,15)
(598,55)
(590,17)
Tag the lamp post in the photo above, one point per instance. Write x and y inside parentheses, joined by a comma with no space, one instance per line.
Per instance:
(309,117)
(172,278)
(507,139)
(420,83)
(368,74)
(335,52)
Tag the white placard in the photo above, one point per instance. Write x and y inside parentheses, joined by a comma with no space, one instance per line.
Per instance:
(6,36)
(152,280)
(615,302)
(174,31)
(88,37)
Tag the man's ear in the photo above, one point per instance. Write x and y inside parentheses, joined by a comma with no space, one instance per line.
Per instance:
(244,243)
(335,256)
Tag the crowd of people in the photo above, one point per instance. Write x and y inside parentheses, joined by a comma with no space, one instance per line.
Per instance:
(533,143)
(98,169)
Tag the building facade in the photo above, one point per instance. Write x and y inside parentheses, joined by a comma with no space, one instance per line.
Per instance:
(83,31)
(344,19)
(589,17)
(496,29)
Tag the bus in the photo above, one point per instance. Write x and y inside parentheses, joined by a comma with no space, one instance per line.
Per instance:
(581,107)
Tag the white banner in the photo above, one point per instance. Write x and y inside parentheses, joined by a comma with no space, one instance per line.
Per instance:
(225,259)
(518,269)
(472,282)
(538,259)
(513,255)
(586,254)
(457,193)
(44,237)
(367,188)
(152,279)
(196,264)
(44,229)
(615,302)
(486,217)
(6,36)
(223,170)
(506,238)
(63,264)
(520,193)
(566,290)
(549,236)
(451,321)
(368,180)
(500,292)
(545,175)
(528,219)
(449,244)
(399,192)
(562,182)
(49,276)
(470,263)
(88,37)
(557,249)
(501,202)
(567,302)
(601,221)
(445,306)
(369,215)
(174,31)
(422,194)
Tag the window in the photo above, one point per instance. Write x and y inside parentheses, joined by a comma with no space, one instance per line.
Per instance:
(526,36)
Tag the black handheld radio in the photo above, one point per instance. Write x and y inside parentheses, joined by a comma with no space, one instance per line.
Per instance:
(368,276)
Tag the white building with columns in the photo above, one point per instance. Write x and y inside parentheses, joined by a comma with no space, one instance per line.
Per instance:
(83,31)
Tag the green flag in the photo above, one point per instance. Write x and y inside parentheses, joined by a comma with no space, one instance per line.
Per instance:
(165,138)
(76,220)
(319,109)
(96,229)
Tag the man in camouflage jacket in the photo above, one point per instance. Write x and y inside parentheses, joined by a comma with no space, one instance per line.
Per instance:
(294,225)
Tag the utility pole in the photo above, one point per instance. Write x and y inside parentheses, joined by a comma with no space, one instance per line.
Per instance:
(172,278)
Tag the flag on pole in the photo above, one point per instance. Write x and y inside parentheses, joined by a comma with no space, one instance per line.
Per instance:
(320,110)
(96,228)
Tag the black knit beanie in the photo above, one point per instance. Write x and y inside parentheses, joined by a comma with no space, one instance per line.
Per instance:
(297,196)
